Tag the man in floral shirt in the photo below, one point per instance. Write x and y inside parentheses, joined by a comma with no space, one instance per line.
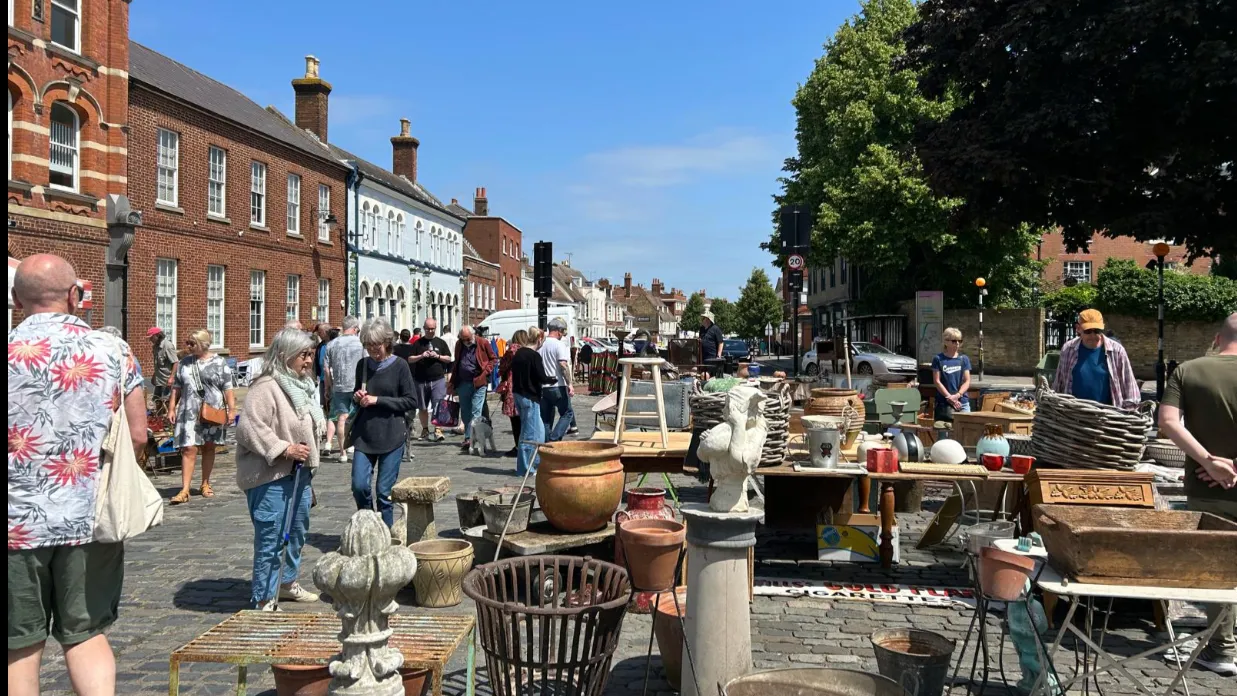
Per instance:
(65,380)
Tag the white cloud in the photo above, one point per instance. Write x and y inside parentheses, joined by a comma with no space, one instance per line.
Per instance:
(720,152)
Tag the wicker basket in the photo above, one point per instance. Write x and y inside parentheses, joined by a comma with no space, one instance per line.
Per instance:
(1165,453)
(1078,433)
(708,408)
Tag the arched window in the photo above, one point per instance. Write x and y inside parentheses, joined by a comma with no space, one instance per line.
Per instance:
(418,235)
(392,308)
(367,301)
(399,305)
(364,226)
(378,300)
(392,245)
(64,137)
(373,228)
(399,236)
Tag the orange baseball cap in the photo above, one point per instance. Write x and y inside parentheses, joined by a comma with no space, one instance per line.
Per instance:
(1090,319)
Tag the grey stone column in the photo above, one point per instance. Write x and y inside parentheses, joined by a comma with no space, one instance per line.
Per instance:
(718,619)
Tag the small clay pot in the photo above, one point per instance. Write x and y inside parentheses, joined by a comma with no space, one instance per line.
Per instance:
(669,634)
(301,680)
(1021,463)
(1003,575)
(417,682)
(652,547)
(993,462)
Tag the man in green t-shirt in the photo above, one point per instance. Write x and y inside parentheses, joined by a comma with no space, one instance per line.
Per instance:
(1199,413)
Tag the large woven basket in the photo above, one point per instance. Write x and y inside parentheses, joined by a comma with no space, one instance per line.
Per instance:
(709,407)
(1078,433)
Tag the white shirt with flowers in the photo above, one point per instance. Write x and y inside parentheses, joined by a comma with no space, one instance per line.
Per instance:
(63,387)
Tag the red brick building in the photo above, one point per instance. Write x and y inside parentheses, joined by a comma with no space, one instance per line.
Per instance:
(674,298)
(498,241)
(480,285)
(1086,264)
(234,200)
(68,118)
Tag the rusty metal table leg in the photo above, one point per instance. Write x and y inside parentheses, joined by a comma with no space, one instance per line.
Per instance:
(887,522)
(174,677)
(472,661)
(242,679)
(436,680)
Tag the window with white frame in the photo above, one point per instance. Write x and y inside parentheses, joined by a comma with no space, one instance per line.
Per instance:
(399,234)
(215,278)
(382,305)
(324,300)
(64,138)
(257,194)
(165,296)
(392,245)
(364,225)
(418,245)
(257,308)
(166,186)
(324,209)
(394,310)
(294,204)
(217,183)
(1081,270)
(66,24)
(369,302)
(293,312)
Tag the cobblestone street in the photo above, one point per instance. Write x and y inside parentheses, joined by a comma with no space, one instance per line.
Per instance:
(193,572)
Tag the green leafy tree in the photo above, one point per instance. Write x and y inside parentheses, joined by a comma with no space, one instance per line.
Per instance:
(725,315)
(690,321)
(1109,117)
(856,168)
(758,305)
(1066,302)
(1124,287)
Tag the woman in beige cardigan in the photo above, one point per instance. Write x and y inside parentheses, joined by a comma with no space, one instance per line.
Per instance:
(279,428)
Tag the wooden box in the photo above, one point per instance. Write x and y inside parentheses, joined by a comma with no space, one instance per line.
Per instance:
(969,427)
(1086,487)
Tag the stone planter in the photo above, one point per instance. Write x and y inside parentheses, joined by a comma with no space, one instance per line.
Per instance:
(441,566)
(579,484)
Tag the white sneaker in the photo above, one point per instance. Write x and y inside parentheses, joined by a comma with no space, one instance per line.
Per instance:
(343,457)
(1224,667)
(293,592)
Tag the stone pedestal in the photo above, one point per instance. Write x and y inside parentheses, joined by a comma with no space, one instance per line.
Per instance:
(718,620)
(416,496)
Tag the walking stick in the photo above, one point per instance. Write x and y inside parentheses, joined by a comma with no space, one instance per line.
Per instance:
(287,529)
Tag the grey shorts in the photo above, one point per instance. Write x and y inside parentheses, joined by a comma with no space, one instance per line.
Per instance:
(428,394)
(71,593)
(341,403)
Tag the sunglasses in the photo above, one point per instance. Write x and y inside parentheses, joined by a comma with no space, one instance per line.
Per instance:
(954,340)
(1093,332)
(191,344)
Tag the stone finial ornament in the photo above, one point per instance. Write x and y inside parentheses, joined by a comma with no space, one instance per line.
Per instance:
(362,579)
(732,448)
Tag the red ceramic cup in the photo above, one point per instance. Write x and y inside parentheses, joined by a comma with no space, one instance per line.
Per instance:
(1021,463)
(993,462)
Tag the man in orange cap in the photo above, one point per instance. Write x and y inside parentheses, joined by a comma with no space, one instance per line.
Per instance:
(1095,367)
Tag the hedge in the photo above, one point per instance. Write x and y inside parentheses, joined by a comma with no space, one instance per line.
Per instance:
(1123,287)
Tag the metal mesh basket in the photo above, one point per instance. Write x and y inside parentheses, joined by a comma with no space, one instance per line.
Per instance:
(548,624)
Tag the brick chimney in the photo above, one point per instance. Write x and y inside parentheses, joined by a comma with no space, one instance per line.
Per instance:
(657,287)
(311,99)
(481,204)
(404,152)
(627,285)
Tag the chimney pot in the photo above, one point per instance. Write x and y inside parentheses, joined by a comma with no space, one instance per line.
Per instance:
(311,67)
(480,204)
(312,95)
(404,126)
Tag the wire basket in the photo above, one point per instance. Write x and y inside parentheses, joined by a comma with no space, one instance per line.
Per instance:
(709,409)
(548,624)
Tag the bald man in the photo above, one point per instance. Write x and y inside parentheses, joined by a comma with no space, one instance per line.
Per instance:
(64,382)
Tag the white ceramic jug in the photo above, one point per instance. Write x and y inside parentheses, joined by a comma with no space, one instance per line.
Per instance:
(824,439)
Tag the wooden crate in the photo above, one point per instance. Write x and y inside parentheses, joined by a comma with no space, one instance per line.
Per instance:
(1087,487)
(969,427)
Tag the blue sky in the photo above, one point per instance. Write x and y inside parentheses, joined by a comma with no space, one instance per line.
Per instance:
(642,137)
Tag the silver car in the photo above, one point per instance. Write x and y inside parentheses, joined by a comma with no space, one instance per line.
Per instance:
(866,359)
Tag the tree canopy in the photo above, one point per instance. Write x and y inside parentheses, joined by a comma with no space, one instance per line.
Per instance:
(758,305)
(856,167)
(725,315)
(692,311)
(1109,117)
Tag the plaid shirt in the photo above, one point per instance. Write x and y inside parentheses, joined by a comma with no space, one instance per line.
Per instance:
(1125,391)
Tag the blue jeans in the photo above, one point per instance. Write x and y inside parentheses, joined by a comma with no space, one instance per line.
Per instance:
(472,400)
(388,473)
(556,398)
(531,430)
(268,506)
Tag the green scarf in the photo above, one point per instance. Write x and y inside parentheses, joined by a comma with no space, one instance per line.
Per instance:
(303,394)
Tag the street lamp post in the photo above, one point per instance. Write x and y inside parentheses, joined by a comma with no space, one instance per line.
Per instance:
(1161,372)
(325,217)
(980,283)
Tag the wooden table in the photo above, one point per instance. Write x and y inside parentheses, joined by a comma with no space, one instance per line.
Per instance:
(543,538)
(643,452)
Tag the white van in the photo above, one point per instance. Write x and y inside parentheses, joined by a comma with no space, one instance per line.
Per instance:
(506,322)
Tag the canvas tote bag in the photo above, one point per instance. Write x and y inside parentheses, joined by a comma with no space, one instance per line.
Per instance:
(126,502)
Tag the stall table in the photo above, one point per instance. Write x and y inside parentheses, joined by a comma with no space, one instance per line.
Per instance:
(643,452)
(543,538)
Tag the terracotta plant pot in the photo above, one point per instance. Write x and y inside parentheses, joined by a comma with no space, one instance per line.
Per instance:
(579,484)
(642,504)
(830,401)
(441,567)
(669,634)
(301,680)
(417,682)
(1003,575)
(652,548)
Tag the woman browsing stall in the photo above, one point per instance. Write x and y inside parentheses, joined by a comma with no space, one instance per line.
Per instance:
(201,406)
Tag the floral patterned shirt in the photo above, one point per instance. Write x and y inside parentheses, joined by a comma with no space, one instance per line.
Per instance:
(64,383)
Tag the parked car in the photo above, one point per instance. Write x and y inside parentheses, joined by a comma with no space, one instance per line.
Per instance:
(866,359)
(734,350)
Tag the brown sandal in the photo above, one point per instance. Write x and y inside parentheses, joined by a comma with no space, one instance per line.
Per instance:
(179,498)
(207,491)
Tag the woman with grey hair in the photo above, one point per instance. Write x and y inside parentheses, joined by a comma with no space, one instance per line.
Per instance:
(277,434)
(384,393)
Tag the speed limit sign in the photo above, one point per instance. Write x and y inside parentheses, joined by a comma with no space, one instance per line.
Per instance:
(795,262)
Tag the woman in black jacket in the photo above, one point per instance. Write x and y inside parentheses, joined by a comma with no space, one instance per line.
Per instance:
(378,434)
(527,376)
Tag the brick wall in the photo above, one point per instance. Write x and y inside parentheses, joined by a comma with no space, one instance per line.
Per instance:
(1183,340)
(484,276)
(490,236)
(196,240)
(1100,250)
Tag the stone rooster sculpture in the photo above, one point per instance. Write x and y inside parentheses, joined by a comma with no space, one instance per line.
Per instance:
(732,448)
(362,579)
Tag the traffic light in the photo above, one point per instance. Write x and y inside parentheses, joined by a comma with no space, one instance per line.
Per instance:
(543,269)
(795,228)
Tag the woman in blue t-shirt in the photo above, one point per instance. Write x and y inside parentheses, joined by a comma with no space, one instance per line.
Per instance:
(951,373)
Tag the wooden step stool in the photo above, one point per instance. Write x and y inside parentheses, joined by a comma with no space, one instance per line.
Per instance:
(654,365)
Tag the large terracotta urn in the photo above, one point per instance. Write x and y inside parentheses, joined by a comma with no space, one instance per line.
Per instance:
(579,484)
(832,401)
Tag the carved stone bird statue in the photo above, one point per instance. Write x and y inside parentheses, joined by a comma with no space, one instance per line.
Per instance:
(732,448)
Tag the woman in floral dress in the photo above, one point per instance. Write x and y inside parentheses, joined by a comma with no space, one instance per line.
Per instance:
(200,376)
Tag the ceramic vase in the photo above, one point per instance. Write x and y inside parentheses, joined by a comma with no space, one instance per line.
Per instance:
(441,567)
(579,484)
(993,442)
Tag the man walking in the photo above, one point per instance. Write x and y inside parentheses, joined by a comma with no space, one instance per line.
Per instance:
(429,360)
(164,349)
(1096,368)
(469,378)
(342,356)
(556,360)
(1199,414)
(711,343)
(65,380)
